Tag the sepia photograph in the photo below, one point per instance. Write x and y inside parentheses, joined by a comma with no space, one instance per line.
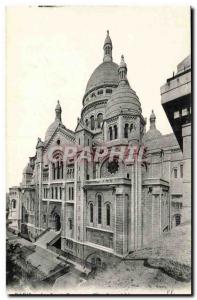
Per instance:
(98,150)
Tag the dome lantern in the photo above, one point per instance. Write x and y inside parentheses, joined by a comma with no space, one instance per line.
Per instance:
(58,122)
(58,111)
(122,70)
(107,48)
(153,132)
(152,120)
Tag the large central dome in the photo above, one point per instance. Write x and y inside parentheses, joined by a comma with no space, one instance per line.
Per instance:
(105,73)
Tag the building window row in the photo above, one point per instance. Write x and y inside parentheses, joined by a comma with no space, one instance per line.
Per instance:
(71,193)
(175,171)
(58,170)
(182,113)
(56,192)
(99,92)
(99,211)
(113,132)
(177,205)
(70,172)
(45,175)
(127,128)
(93,121)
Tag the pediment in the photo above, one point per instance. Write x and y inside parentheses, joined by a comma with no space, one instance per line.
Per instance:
(64,135)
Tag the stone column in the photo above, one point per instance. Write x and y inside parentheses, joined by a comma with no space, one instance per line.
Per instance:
(105,131)
(75,200)
(139,205)
(120,127)
(132,208)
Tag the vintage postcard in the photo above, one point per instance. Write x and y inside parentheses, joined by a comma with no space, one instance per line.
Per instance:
(98,133)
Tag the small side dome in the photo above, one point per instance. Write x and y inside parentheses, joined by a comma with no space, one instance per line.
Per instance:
(51,129)
(28,169)
(153,132)
(123,98)
(58,122)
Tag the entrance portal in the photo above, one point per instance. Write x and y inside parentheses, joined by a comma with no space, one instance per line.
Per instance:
(55,221)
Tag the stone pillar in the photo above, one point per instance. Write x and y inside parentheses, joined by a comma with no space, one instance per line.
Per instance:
(139,205)
(136,229)
(121,221)
(186,134)
(120,127)
(132,229)
(105,131)
(75,199)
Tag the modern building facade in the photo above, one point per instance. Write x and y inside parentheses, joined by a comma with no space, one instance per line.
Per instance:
(176,99)
(90,185)
(14,216)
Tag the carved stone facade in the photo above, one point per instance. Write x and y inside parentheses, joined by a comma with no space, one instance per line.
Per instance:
(103,208)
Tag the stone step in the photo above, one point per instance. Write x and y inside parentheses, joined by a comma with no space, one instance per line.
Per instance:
(46,238)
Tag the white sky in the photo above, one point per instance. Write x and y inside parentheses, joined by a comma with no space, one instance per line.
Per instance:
(51,53)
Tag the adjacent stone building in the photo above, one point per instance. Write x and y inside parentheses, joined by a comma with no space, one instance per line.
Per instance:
(98,201)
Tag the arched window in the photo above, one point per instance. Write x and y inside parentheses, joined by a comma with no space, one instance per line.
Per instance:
(58,170)
(115,132)
(108,91)
(13,203)
(110,133)
(93,95)
(53,168)
(56,193)
(91,213)
(86,122)
(92,122)
(131,127)
(100,92)
(126,130)
(62,169)
(99,209)
(181,171)
(100,120)
(175,173)
(108,214)
(107,50)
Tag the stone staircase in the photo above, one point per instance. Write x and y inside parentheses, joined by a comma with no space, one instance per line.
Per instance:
(46,238)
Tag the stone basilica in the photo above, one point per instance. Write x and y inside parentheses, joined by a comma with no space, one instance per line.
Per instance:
(100,209)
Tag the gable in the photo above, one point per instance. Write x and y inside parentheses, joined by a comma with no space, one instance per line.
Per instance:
(63,135)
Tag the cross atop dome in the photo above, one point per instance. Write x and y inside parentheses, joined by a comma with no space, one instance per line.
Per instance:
(107,48)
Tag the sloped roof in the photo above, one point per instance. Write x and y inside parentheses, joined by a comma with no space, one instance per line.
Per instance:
(164,141)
